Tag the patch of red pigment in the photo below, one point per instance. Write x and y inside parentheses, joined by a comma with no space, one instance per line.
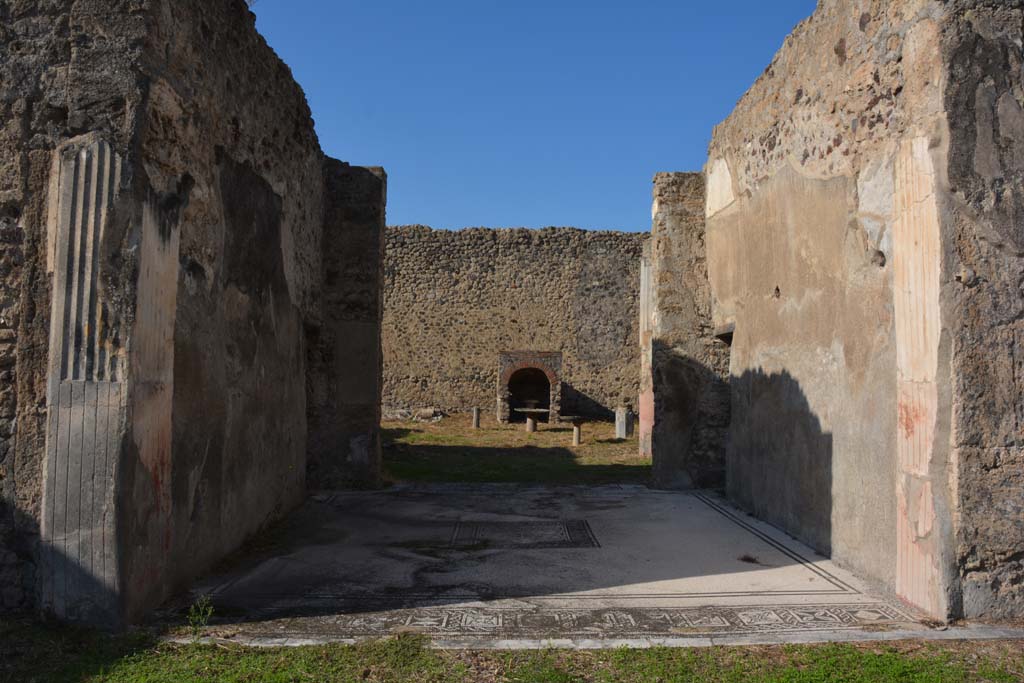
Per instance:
(909,416)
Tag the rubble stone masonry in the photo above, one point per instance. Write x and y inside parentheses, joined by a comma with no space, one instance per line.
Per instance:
(684,390)
(453,300)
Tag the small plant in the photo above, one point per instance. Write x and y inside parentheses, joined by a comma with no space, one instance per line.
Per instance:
(199,614)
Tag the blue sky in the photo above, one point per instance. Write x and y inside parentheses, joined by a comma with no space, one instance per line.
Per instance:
(524,113)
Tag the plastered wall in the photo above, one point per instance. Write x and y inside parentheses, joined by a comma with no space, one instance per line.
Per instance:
(850,195)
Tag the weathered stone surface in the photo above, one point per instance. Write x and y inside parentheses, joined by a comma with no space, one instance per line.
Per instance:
(89,368)
(863,241)
(798,265)
(224,118)
(344,348)
(196,268)
(684,392)
(59,77)
(983,297)
(455,299)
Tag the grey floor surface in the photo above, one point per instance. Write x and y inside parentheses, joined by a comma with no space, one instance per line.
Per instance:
(531,566)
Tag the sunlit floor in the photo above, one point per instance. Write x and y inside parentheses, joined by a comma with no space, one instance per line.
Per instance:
(497,564)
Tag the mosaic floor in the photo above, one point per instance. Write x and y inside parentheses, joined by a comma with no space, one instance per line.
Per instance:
(503,563)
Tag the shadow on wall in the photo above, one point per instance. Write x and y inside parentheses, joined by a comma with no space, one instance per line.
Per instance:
(575,402)
(16,558)
(74,590)
(779,460)
(691,421)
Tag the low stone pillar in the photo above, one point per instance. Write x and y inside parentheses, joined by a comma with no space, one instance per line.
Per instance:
(623,422)
(531,423)
(577,433)
(476,418)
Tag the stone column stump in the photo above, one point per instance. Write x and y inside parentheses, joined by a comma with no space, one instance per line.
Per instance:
(623,423)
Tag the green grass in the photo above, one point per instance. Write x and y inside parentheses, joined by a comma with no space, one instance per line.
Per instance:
(451,451)
(33,652)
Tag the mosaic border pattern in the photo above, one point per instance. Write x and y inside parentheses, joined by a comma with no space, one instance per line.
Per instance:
(569,533)
(596,623)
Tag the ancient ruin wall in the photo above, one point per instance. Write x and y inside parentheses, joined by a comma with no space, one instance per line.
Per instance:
(344,345)
(684,391)
(163,205)
(455,299)
(58,79)
(224,111)
(801,260)
(984,103)
(840,203)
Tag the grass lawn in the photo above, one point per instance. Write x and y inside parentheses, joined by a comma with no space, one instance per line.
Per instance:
(451,451)
(32,652)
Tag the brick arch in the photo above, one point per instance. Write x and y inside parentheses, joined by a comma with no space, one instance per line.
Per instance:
(511,362)
(506,376)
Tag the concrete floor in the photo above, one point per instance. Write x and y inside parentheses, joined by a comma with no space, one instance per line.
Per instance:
(506,566)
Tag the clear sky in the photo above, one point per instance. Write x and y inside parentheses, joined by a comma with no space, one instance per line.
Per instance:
(524,113)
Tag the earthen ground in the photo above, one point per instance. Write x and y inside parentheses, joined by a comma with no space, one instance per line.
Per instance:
(451,451)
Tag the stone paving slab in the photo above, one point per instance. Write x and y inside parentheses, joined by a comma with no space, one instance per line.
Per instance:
(486,565)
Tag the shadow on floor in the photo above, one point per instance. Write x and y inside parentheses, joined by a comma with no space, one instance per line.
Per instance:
(525,464)
(474,541)
(429,546)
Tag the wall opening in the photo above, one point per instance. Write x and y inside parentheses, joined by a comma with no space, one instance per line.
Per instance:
(529,379)
(528,388)
(724,333)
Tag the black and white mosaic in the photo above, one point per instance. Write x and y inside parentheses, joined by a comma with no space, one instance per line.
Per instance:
(572,533)
(599,623)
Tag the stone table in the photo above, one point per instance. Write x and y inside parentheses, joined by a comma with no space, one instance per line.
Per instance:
(531,416)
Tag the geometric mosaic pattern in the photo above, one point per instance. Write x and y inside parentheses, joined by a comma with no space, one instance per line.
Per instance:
(441,622)
(573,533)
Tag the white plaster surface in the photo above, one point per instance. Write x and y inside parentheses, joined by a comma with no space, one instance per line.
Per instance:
(719,187)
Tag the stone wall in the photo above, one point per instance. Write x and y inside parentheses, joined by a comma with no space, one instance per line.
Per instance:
(983,297)
(455,299)
(865,255)
(61,75)
(684,391)
(344,346)
(162,201)
(224,112)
